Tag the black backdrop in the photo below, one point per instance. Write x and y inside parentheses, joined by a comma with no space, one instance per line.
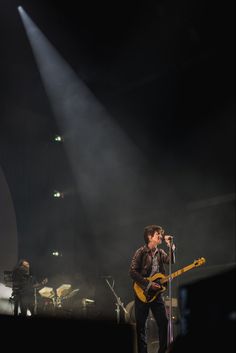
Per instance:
(163,71)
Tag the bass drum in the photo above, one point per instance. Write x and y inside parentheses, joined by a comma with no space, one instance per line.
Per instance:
(130,315)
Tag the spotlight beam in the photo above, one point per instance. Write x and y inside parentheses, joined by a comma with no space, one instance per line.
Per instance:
(107,165)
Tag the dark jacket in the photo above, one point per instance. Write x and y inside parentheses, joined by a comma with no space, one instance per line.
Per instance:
(22,282)
(141,264)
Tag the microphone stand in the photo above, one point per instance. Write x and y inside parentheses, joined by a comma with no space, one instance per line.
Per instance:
(118,301)
(170,323)
(35,302)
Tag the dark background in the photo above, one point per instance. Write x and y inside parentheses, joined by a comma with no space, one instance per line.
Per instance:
(164,72)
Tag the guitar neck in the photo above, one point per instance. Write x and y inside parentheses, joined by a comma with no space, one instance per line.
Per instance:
(177,273)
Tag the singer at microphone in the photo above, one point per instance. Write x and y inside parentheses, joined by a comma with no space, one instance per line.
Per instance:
(148,261)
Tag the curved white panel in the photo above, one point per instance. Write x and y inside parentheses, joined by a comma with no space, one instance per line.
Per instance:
(8,228)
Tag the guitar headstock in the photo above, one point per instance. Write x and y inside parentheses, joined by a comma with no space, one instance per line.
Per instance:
(199,262)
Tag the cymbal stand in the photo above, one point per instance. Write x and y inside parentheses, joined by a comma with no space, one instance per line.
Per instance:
(118,301)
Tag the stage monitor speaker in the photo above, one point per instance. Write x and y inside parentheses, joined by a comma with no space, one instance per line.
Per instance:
(88,336)
(208,313)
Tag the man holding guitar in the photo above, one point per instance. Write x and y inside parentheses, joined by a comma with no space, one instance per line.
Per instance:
(148,261)
(23,288)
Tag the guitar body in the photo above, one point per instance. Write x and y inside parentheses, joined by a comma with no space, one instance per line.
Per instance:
(151,294)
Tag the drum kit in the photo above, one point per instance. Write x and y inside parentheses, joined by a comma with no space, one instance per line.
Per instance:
(63,301)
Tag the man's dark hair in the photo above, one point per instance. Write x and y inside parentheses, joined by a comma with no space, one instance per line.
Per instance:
(20,263)
(150,230)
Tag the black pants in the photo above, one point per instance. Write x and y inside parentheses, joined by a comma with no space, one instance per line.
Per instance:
(23,302)
(159,313)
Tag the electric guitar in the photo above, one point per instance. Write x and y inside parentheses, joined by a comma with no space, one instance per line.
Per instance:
(159,278)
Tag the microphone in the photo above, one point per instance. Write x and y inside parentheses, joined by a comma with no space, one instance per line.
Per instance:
(168,237)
